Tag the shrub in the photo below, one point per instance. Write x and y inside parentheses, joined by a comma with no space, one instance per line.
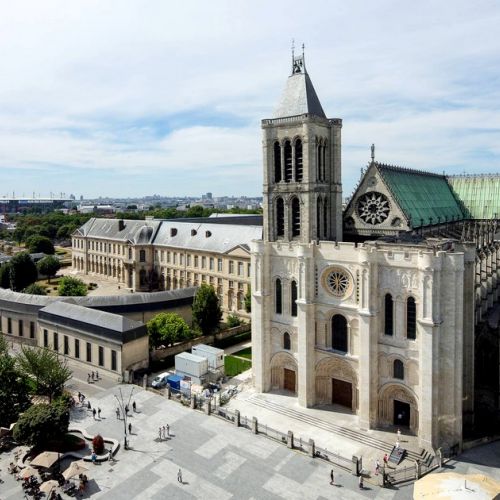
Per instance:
(98,444)
(233,321)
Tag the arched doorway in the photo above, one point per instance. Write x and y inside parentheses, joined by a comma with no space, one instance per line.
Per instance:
(397,405)
(284,372)
(336,383)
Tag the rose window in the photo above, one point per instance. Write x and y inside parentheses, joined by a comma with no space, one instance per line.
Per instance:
(337,282)
(373,208)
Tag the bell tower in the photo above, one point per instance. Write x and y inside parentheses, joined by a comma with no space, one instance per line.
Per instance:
(302,165)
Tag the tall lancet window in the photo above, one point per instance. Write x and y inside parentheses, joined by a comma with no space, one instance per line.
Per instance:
(298,161)
(280,217)
(325,219)
(319,210)
(278,299)
(295,217)
(277,162)
(293,298)
(288,161)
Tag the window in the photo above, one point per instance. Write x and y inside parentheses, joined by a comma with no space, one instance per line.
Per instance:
(32,329)
(389,311)
(21,328)
(56,341)
(219,265)
(278,297)
(188,260)
(77,348)
(231,267)
(298,161)
(240,268)
(142,277)
(168,257)
(293,298)
(325,218)
(101,356)
(280,217)
(181,259)
(66,345)
(9,325)
(339,333)
(287,343)
(195,261)
(89,352)
(45,338)
(399,369)
(295,217)
(288,161)
(212,261)
(411,319)
(319,209)
(203,262)
(130,253)
(248,270)
(113,360)
(277,162)
(174,257)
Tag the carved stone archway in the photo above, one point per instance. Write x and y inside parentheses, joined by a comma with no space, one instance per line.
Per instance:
(387,395)
(280,362)
(335,368)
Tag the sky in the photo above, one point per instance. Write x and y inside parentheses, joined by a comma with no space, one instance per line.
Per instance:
(132,98)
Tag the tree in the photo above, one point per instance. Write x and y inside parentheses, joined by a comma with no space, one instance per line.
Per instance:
(167,328)
(248,300)
(23,271)
(41,244)
(72,287)
(48,266)
(14,388)
(34,289)
(46,368)
(5,275)
(42,423)
(206,309)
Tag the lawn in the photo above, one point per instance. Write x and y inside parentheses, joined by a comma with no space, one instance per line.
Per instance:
(234,366)
(244,353)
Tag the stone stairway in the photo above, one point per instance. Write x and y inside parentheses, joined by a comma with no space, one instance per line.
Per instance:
(361,437)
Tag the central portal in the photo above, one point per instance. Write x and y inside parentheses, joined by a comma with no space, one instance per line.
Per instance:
(401,414)
(342,393)
(289,380)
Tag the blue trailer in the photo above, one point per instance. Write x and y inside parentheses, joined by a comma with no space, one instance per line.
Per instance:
(174,381)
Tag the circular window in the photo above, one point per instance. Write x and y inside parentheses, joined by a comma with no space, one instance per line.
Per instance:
(373,208)
(337,281)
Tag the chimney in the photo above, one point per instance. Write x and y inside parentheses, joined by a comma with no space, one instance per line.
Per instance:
(121,225)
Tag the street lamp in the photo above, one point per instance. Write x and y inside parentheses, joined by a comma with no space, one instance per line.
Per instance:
(122,406)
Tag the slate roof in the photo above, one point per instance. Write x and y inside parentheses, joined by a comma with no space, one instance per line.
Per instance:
(421,195)
(479,194)
(136,231)
(299,96)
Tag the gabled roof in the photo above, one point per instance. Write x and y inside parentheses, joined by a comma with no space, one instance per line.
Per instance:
(425,198)
(479,194)
(299,96)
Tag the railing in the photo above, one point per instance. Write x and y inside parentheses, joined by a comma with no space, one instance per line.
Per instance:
(273,434)
(332,457)
(402,474)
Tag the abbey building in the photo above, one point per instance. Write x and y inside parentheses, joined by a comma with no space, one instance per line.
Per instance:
(375,308)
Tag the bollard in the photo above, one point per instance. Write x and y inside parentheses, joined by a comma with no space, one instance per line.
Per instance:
(355,465)
(144,381)
(417,469)
(255,425)
(192,402)
(237,418)
(382,478)
(289,440)
(312,450)
(208,407)
(169,392)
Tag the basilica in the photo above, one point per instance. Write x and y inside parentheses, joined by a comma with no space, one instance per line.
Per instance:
(388,306)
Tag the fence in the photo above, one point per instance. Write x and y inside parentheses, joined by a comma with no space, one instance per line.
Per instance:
(402,474)
(333,458)
(273,434)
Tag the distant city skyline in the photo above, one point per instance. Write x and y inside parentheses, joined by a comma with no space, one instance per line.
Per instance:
(123,100)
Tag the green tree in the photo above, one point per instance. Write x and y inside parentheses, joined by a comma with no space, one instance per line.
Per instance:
(23,271)
(42,423)
(5,275)
(14,388)
(206,309)
(41,244)
(49,372)
(72,287)
(34,289)
(167,328)
(233,320)
(248,300)
(48,266)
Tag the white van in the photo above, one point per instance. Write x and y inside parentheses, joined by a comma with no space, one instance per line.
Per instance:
(160,380)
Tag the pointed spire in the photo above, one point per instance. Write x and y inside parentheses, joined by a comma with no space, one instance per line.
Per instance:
(373,153)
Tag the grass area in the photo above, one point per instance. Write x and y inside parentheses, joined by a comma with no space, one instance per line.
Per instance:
(50,288)
(234,366)
(244,353)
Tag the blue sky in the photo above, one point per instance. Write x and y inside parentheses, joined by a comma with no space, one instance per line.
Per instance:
(130,98)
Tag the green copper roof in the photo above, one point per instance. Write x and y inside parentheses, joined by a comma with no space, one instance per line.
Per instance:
(422,196)
(480,194)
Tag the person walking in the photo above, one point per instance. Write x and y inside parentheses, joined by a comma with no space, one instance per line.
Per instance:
(398,434)
(179,476)
(110,456)
(93,374)
(118,413)
(168,430)
(88,378)
(88,405)
(160,433)
(377,467)
(130,428)
(93,413)
(360,482)
(332,477)
(126,410)
(99,413)
(96,375)
(134,407)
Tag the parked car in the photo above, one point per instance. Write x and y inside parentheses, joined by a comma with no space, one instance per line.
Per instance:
(160,380)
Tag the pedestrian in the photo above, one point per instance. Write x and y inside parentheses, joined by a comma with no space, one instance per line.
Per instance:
(360,482)
(168,430)
(160,433)
(126,410)
(386,459)
(130,428)
(110,456)
(398,433)
(118,413)
(134,407)
(93,413)
(332,478)
(88,405)
(94,457)
(96,375)
(93,374)
(79,397)
(397,444)
(377,467)
(99,413)
(179,476)
(88,378)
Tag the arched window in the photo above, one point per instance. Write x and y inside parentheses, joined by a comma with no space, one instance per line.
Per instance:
(298,161)
(411,319)
(280,217)
(293,298)
(339,333)
(278,299)
(325,219)
(277,162)
(130,253)
(323,162)
(142,277)
(288,161)
(318,162)
(319,210)
(389,308)
(295,217)
(398,369)
(287,343)
(142,256)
